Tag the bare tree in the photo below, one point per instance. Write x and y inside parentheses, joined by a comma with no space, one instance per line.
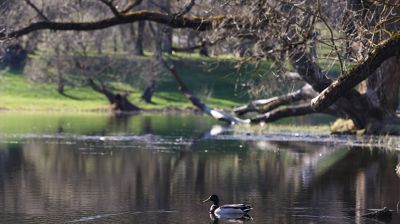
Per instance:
(284,30)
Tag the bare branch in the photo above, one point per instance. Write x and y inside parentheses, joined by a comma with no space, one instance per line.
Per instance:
(197,23)
(187,8)
(266,105)
(111,6)
(39,12)
(332,38)
(131,6)
(356,75)
(277,114)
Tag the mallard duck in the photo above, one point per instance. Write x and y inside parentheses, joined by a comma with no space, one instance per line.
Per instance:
(226,209)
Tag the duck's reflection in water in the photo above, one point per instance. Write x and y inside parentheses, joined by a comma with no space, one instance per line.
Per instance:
(231,218)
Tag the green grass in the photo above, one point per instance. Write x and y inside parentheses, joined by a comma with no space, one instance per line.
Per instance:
(213,80)
(18,93)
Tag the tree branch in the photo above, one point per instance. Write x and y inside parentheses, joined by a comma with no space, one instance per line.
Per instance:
(277,114)
(111,6)
(266,105)
(197,23)
(131,6)
(187,8)
(40,13)
(356,75)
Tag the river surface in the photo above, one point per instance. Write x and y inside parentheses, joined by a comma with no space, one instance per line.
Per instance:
(97,168)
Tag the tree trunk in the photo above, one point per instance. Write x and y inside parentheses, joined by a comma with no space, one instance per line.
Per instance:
(119,101)
(15,56)
(158,44)
(59,72)
(191,39)
(149,91)
(204,51)
(138,46)
(115,43)
(166,31)
(99,45)
(132,37)
(383,86)
(382,91)
(166,44)
(60,82)
(374,107)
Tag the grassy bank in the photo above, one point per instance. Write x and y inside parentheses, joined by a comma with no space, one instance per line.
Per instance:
(215,81)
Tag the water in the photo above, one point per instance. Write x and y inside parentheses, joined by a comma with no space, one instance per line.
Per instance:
(65,168)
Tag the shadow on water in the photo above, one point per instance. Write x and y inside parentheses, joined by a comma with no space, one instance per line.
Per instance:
(157,169)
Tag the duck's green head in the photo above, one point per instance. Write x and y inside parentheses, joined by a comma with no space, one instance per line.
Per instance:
(214,198)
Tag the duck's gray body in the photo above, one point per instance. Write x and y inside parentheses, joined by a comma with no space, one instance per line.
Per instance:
(231,209)
(227,209)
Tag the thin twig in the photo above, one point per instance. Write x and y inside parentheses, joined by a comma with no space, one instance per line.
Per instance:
(332,39)
(111,6)
(187,8)
(34,7)
(131,6)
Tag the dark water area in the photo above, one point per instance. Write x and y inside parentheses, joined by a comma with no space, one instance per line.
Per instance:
(93,168)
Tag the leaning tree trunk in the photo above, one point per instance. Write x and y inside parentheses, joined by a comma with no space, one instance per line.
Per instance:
(374,107)
(118,101)
(382,92)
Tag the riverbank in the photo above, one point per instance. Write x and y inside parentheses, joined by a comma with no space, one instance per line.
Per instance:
(217,82)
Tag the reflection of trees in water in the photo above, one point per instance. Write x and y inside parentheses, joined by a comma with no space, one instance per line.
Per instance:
(15,183)
(370,176)
(59,175)
(317,176)
(118,123)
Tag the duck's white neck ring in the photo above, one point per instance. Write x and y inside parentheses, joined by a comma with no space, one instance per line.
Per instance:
(213,208)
